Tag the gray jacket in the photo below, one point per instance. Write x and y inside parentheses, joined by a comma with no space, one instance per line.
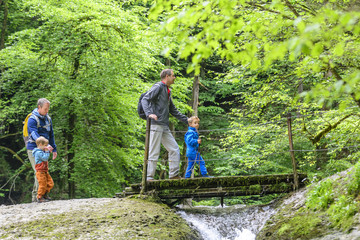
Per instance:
(156,101)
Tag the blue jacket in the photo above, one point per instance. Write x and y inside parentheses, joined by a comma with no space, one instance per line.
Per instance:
(41,160)
(45,130)
(192,146)
(157,101)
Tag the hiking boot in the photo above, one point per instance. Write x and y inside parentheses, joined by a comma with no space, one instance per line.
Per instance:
(208,176)
(176,177)
(46,197)
(41,200)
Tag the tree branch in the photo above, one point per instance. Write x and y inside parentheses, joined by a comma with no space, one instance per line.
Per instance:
(13,153)
(330,127)
(9,135)
(339,78)
(306,130)
(203,86)
(307,9)
(291,7)
(269,10)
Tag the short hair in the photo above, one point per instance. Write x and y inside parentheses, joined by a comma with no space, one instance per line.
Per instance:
(41,140)
(42,101)
(193,118)
(166,72)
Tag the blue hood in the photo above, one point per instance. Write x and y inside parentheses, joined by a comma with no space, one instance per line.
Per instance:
(36,113)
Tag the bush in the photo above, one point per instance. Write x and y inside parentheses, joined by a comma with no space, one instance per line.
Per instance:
(342,210)
(321,196)
(354,185)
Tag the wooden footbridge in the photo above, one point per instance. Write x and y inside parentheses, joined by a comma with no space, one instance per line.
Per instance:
(218,186)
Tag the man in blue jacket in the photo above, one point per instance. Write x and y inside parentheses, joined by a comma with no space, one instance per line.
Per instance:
(158,104)
(40,124)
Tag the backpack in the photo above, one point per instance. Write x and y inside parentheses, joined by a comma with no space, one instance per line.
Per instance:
(25,127)
(140,107)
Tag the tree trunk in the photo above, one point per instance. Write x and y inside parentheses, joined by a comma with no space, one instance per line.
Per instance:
(3,32)
(70,154)
(293,160)
(71,131)
(4,25)
(195,96)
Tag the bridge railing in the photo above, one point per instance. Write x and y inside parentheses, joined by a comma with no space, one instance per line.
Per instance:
(295,132)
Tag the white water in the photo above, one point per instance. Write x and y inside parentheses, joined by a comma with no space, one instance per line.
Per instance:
(229,223)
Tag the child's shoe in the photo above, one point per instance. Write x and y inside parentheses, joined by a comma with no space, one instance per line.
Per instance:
(208,176)
(41,200)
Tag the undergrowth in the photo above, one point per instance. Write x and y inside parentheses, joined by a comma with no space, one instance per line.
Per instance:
(338,198)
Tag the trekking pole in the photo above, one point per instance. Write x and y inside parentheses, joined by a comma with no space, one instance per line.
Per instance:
(146,156)
(198,152)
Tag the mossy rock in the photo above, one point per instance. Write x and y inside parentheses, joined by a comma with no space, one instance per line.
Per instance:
(115,219)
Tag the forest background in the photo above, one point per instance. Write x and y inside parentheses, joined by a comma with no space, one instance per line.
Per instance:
(254,62)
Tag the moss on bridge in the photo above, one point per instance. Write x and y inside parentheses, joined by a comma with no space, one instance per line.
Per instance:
(220,186)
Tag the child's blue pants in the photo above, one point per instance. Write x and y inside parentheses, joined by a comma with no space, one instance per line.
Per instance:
(191,162)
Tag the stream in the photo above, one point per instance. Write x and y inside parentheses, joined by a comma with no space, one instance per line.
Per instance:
(238,222)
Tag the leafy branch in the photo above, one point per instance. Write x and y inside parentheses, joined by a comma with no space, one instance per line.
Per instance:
(315,139)
(13,153)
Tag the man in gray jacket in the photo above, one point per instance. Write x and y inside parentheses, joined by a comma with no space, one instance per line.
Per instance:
(157,104)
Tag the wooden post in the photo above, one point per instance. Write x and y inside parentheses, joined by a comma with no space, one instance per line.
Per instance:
(195,95)
(296,177)
(146,156)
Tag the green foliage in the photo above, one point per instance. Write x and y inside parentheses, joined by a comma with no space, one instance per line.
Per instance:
(88,59)
(342,210)
(284,57)
(338,200)
(300,226)
(257,62)
(335,166)
(353,187)
(262,33)
(321,196)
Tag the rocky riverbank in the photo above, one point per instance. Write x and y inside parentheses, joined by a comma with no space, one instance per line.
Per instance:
(295,219)
(106,218)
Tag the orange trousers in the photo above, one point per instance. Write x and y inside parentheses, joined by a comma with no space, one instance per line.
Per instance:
(45,183)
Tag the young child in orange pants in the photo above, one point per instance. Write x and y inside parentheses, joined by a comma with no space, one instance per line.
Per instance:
(41,154)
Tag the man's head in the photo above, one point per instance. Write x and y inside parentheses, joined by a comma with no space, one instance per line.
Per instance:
(194,122)
(41,142)
(43,106)
(167,76)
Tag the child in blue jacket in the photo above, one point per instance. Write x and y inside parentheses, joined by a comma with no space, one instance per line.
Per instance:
(193,141)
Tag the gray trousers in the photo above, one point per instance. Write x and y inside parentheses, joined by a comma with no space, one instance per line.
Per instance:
(161,134)
(36,183)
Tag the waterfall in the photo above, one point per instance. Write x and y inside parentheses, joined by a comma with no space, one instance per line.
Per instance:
(237,222)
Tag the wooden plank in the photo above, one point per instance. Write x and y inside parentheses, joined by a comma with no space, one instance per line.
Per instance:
(219,186)
(203,193)
(218,192)
(233,181)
